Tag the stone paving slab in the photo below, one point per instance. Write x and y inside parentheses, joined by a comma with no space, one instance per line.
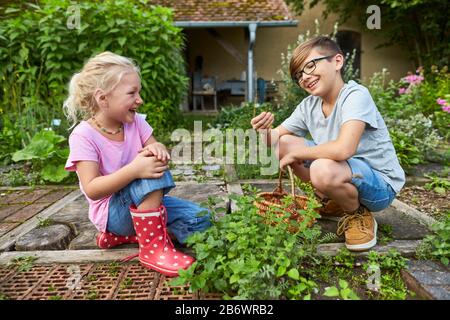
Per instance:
(429,279)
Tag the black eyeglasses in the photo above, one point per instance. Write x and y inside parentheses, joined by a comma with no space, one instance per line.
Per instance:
(308,69)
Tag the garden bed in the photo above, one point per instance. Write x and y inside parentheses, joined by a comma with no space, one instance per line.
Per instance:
(427,201)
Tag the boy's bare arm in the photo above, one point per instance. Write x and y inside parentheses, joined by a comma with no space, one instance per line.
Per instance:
(273,135)
(343,148)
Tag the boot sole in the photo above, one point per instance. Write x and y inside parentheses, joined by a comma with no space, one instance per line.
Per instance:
(110,247)
(367,245)
(166,272)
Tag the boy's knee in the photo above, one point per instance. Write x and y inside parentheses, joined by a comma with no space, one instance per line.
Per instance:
(323,173)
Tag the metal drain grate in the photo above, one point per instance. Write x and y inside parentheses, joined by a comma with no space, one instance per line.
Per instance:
(19,284)
(165,292)
(92,281)
(138,283)
(100,283)
(59,282)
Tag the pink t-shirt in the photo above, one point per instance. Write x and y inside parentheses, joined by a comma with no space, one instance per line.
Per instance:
(86,143)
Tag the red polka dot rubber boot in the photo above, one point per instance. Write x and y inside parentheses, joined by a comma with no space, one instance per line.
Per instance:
(107,240)
(156,250)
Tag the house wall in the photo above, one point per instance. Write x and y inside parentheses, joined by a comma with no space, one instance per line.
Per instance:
(272,42)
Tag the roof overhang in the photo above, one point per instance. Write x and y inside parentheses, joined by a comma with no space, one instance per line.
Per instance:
(234,24)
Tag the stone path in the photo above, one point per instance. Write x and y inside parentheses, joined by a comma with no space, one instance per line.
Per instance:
(46,220)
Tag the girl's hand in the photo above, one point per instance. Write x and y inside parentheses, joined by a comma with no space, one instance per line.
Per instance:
(158,150)
(146,166)
(262,121)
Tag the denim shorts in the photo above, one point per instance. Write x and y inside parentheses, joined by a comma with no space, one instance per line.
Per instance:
(373,191)
(184,217)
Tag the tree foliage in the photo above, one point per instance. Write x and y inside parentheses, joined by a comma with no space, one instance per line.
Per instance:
(421,27)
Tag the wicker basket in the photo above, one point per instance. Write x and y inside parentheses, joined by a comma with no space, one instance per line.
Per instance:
(271,200)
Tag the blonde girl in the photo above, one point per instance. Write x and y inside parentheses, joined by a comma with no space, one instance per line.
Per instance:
(122,168)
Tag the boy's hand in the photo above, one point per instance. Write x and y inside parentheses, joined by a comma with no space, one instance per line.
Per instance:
(262,121)
(287,160)
(158,150)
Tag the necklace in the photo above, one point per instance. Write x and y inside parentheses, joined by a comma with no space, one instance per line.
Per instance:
(106,130)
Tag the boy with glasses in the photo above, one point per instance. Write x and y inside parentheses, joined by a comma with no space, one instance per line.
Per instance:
(350,161)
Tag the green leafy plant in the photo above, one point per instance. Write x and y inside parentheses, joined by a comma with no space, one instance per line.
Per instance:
(386,234)
(92,294)
(412,137)
(46,154)
(437,245)
(44,222)
(344,291)
(245,258)
(126,283)
(345,258)
(23,264)
(114,269)
(437,184)
(3,296)
(416,122)
(390,265)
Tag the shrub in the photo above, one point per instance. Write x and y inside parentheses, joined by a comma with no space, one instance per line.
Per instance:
(412,113)
(39,54)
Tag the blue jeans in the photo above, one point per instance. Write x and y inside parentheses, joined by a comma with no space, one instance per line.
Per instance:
(373,191)
(184,216)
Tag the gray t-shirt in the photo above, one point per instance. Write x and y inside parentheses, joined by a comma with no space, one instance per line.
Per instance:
(353,103)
